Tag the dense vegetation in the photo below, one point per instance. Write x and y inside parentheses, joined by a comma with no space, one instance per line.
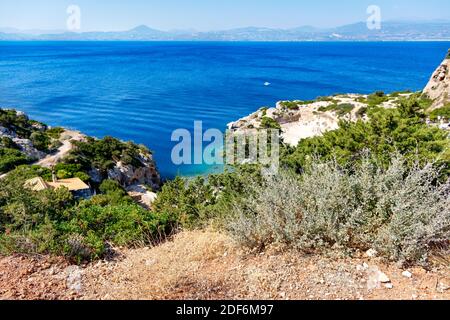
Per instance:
(379,183)
(388,130)
(201,201)
(51,221)
(402,213)
(443,113)
(10,158)
(104,153)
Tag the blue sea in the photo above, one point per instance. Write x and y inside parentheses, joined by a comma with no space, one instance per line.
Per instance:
(142,91)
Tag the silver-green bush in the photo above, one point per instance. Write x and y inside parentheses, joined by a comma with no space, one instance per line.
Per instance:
(402,212)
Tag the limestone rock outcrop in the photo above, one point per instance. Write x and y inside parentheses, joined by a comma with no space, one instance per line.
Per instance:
(438,88)
(129,175)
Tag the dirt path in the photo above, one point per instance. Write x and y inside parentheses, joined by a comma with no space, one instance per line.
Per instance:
(208,265)
(66,137)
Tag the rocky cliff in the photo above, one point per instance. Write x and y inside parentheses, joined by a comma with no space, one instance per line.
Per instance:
(438,88)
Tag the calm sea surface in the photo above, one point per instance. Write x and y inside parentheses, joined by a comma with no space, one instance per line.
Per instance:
(142,91)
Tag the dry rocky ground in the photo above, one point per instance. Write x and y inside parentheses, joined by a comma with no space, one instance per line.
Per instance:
(208,265)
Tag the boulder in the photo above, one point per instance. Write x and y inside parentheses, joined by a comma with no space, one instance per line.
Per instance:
(74,276)
(407,274)
(376,278)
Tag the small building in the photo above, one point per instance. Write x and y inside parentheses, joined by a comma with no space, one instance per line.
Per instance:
(76,186)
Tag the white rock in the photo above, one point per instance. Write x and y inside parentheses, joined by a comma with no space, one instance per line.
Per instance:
(442,287)
(362,267)
(74,278)
(383,278)
(407,274)
(376,278)
(371,253)
(389,286)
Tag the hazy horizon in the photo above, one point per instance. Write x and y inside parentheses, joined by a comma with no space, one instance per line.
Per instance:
(38,31)
(204,15)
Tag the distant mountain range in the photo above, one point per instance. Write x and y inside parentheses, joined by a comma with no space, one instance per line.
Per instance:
(390,31)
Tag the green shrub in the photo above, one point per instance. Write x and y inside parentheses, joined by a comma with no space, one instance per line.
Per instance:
(6,142)
(264,111)
(198,202)
(40,140)
(18,123)
(361,112)
(376,99)
(108,186)
(344,109)
(55,133)
(341,109)
(11,158)
(387,130)
(71,169)
(397,94)
(400,212)
(443,113)
(102,154)
(53,222)
(290,105)
(89,228)
(269,123)
(330,107)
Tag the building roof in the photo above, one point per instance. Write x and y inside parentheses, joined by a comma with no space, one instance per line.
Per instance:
(73,184)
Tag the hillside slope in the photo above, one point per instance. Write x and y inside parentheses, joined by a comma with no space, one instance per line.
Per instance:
(208,265)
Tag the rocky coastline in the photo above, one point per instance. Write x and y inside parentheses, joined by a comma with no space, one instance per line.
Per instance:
(141,179)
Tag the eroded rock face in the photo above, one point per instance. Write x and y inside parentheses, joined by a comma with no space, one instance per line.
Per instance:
(25,145)
(4,132)
(128,175)
(438,88)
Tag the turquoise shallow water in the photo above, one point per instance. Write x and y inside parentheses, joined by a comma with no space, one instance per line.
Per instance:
(142,91)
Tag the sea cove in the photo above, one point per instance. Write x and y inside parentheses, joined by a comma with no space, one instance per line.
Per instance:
(143,91)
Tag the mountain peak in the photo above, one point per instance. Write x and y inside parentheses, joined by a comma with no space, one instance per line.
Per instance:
(143,29)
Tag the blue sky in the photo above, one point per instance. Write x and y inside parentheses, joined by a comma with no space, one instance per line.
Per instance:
(207,15)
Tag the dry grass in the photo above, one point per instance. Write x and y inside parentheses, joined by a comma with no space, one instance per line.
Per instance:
(208,265)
